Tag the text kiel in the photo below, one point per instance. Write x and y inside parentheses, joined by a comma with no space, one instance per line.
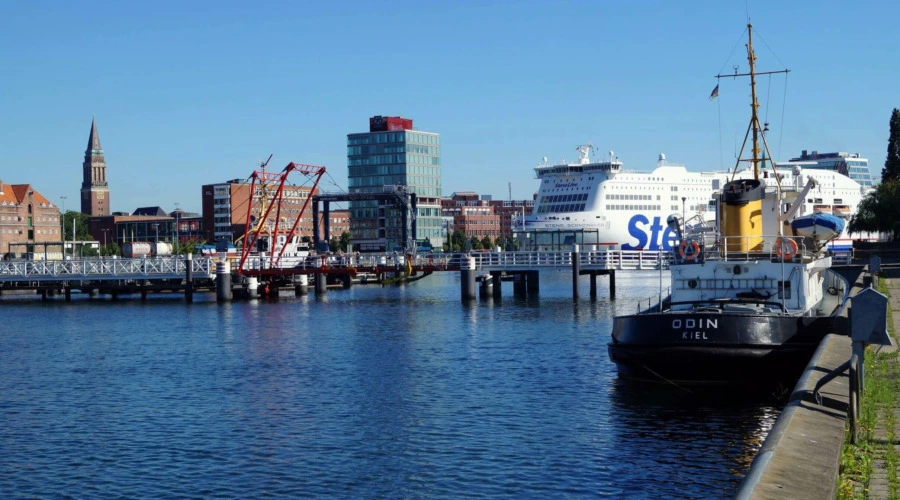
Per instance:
(695,329)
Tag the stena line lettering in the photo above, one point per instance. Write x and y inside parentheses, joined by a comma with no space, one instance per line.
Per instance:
(638,229)
(695,329)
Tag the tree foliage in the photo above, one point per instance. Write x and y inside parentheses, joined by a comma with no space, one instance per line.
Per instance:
(891,170)
(81,226)
(879,211)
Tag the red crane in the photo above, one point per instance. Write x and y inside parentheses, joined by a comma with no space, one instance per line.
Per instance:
(271,227)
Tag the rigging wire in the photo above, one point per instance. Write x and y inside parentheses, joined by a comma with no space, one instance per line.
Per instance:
(757,33)
(783,105)
(740,38)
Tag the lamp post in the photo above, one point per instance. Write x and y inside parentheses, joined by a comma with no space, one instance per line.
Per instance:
(104,236)
(176,222)
(62,219)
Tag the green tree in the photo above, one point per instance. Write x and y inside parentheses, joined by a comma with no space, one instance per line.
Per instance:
(476,243)
(81,226)
(891,170)
(458,241)
(879,211)
(486,242)
(345,240)
(110,249)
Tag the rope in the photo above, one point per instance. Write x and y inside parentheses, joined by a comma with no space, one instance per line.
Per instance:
(664,379)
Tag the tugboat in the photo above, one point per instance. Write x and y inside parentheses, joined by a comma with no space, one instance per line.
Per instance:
(749,302)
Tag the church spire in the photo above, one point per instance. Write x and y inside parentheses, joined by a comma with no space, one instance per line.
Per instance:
(94,139)
(94,188)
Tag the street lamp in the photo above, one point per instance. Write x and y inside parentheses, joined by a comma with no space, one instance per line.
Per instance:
(62,219)
(104,236)
(176,222)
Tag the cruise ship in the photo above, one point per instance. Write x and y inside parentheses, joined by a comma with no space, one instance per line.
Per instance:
(601,205)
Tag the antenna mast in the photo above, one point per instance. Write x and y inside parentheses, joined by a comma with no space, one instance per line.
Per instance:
(758,132)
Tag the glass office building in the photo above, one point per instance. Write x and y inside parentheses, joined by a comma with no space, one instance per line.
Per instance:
(849,164)
(393,156)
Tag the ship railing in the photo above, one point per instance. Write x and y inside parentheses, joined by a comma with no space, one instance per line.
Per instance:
(661,299)
(742,248)
(714,305)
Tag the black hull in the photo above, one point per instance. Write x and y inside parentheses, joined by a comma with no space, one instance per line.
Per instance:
(709,348)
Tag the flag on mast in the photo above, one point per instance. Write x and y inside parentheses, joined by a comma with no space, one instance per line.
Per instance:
(715,93)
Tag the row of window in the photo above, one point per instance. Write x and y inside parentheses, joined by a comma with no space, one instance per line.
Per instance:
(376,160)
(38,231)
(379,149)
(393,137)
(564,198)
(630,197)
(360,171)
(569,207)
(637,207)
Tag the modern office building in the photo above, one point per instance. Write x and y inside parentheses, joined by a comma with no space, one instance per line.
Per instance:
(849,164)
(392,155)
(94,188)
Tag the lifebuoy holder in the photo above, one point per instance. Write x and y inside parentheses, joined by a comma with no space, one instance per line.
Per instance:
(786,248)
(695,250)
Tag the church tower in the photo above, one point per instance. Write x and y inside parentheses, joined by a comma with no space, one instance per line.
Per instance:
(94,189)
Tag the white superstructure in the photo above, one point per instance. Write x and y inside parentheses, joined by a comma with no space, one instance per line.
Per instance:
(600,204)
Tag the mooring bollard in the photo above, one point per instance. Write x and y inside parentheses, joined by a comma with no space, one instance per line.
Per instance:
(467,278)
(223,281)
(576,270)
(189,278)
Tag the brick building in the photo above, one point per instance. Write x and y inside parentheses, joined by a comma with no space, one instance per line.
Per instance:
(28,221)
(471,215)
(224,208)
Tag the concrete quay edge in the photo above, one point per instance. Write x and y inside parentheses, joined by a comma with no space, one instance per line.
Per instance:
(800,458)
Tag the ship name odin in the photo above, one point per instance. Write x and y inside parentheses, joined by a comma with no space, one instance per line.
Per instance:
(695,329)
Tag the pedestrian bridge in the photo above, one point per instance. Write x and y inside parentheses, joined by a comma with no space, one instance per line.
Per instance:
(104,269)
(203,267)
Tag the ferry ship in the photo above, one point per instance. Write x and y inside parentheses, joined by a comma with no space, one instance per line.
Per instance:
(601,205)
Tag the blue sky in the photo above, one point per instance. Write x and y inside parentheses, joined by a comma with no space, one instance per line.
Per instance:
(190,93)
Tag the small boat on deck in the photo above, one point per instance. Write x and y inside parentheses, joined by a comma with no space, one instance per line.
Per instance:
(818,226)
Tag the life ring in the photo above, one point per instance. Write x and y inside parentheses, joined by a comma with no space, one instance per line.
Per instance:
(694,253)
(786,253)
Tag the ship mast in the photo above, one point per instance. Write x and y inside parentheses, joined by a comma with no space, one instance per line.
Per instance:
(754,126)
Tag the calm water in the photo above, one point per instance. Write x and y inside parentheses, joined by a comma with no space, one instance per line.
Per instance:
(396,392)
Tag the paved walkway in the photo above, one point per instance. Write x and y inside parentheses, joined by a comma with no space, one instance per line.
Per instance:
(878,486)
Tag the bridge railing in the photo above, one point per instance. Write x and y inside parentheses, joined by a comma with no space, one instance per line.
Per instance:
(103,268)
(605,259)
(594,260)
